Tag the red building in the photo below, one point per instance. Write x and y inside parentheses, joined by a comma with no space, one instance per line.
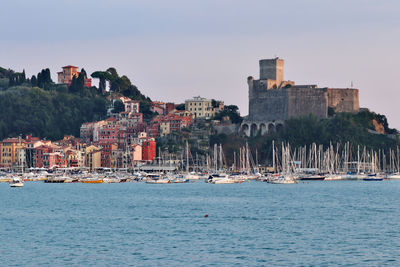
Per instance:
(107,154)
(47,156)
(149,150)
(42,156)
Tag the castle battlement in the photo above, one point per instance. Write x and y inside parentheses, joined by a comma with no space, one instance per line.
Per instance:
(272,99)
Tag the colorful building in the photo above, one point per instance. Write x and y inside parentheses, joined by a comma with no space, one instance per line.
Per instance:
(92,157)
(136,152)
(9,149)
(107,149)
(149,152)
(203,108)
(65,76)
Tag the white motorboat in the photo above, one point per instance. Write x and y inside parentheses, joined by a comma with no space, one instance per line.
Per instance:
(333,177)
(282,179)
(192,176)
(16,182)
(157,179)
(110,180)
(223,181)
(394,176)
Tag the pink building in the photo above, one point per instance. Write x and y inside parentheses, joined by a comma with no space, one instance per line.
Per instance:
(132,106)
(136,152)
(109,132)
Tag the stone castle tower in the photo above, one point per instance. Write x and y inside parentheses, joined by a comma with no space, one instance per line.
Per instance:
(272,100)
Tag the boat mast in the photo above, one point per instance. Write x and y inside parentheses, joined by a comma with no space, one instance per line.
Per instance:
(187,157)
(273,156)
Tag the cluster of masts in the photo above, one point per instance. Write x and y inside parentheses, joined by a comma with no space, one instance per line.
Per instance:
(288,165)
(335,159)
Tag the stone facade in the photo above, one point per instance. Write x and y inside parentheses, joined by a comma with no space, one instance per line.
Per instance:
(343,100)
(202,108)
(272,100)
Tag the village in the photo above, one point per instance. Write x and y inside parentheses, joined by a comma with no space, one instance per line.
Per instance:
(121,141)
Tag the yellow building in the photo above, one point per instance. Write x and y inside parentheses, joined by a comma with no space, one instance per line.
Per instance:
(92,157)
(202,108)
(10,150)
(164,128)
(74,157)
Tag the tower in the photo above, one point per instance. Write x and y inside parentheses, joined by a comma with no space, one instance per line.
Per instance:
(272,69)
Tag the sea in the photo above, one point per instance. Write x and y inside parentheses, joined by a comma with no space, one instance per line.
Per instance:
(316,223)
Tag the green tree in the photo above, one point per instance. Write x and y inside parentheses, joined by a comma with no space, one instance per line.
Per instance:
(118,106)
(33,80)
(80,83)
(180,107)
(23,76)
(84,73)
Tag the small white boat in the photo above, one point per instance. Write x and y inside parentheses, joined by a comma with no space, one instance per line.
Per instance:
(16,182)
(333,177)
(192,176)
(157,179)
(223,181)
(394,176)
(283,179)
(110,180)
(220,178)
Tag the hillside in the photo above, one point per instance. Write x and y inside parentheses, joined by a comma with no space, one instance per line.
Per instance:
(42,108)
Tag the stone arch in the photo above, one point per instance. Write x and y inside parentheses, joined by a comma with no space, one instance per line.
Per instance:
(279,127)
(271,128)
(245,129)
(263,129)
(253,130)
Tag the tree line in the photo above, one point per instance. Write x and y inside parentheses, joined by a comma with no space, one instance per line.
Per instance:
(39,106)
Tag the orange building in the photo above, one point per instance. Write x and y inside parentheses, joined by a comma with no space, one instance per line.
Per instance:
(65,76)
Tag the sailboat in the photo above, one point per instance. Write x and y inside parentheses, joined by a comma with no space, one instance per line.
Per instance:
(286,176)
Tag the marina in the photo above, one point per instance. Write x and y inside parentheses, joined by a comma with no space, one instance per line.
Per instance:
(289,166)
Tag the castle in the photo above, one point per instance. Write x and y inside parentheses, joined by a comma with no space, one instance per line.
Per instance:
(272,100)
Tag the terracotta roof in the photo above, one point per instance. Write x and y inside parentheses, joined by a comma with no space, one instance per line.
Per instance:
(13,140)
(69,66)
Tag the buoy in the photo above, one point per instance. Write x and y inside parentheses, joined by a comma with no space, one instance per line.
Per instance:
(206,216)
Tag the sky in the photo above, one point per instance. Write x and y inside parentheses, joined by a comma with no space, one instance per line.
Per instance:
(176,49)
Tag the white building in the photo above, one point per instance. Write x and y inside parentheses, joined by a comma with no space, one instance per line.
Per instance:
(203,108)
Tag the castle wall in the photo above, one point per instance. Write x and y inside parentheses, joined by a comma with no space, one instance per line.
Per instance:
(266,105)
(343,100)
(305,101)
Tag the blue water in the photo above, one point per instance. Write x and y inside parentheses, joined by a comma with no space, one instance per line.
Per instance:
(250,224)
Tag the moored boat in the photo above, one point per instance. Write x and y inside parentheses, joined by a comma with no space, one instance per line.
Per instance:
(16,182)
(91,181)
(314,177)
(394,176)
(373,177)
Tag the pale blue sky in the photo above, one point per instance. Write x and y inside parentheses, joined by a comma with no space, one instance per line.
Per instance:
(173,50)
